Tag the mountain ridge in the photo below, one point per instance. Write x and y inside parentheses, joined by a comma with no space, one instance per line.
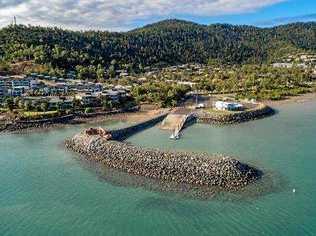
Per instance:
(165,42)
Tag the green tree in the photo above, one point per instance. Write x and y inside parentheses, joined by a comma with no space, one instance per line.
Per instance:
(44,106)
(100,73)
(9,104)
(112,72)
(27,106)
(88,110)
(107,104)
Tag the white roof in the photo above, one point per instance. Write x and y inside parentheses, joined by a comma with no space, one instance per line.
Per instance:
(226,104)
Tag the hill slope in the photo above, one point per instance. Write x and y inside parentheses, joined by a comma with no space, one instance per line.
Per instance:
(166,42)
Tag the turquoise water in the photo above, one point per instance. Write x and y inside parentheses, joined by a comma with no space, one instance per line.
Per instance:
(44,190)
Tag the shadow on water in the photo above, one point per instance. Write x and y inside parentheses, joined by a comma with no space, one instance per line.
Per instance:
(171,206)
(270,182)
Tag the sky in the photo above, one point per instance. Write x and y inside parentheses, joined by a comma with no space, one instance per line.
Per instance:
(124,15)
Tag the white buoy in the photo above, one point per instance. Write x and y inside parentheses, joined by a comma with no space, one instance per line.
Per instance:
(294,190)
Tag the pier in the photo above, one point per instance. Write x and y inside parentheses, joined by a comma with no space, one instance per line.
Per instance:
(177,122)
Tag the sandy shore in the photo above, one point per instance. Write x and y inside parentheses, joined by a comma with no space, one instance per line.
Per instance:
(296,99)
(130,117)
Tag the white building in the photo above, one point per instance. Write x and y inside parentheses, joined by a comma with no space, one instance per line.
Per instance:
(282,65)
(228,106)
(191,84)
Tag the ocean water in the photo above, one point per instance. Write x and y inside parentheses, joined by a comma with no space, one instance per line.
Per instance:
(45,190)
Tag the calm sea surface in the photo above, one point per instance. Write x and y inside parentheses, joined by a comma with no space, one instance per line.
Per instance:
(45,190)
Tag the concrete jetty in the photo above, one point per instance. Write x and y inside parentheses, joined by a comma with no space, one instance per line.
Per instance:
(177,122)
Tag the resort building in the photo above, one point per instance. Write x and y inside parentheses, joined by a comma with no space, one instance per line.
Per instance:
(282,65)
(87,100)
(16,85)
(111,95)
(17,91)
(3,91)
(58,103)
(25,82)
(187,83)
(34,84)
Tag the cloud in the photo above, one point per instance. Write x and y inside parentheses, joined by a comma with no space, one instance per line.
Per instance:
(7,3)
(117,14)
(286,20)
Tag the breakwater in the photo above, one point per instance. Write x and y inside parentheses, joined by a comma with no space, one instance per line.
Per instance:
(180,167)
(258,112)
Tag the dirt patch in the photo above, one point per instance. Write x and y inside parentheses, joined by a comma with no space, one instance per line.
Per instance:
(140,116)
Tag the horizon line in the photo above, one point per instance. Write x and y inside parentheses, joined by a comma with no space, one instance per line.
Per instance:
(260,26)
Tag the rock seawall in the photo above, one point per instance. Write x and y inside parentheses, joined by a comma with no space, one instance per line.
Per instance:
(77,117)
(105,113)
(256,113)
(22,125)
(181,167)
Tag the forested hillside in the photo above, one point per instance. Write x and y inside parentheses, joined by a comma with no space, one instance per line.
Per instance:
(164,43)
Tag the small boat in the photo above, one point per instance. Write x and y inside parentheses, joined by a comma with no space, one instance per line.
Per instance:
(175,136)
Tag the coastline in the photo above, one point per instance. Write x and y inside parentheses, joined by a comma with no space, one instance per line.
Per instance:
(141,115)
(129,117)
(291,100)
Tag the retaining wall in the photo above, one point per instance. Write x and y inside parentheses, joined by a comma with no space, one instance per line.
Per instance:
(259,112)
(95,114)
(20,125)
(60,119)
(124,133)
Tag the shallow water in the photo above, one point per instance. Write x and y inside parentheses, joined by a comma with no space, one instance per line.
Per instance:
(44,190)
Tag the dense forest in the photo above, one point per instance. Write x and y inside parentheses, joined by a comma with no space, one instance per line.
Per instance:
(167,42)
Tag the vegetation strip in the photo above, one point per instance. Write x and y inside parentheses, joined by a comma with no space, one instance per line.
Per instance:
(20,125)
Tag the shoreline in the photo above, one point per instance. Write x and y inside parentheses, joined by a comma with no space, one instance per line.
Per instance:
(308,97)
(141,115)
(129,117)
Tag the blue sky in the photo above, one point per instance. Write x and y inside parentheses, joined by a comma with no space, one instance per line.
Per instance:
(281,13)
(123,15)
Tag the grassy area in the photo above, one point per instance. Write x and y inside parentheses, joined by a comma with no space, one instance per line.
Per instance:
(38,115)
